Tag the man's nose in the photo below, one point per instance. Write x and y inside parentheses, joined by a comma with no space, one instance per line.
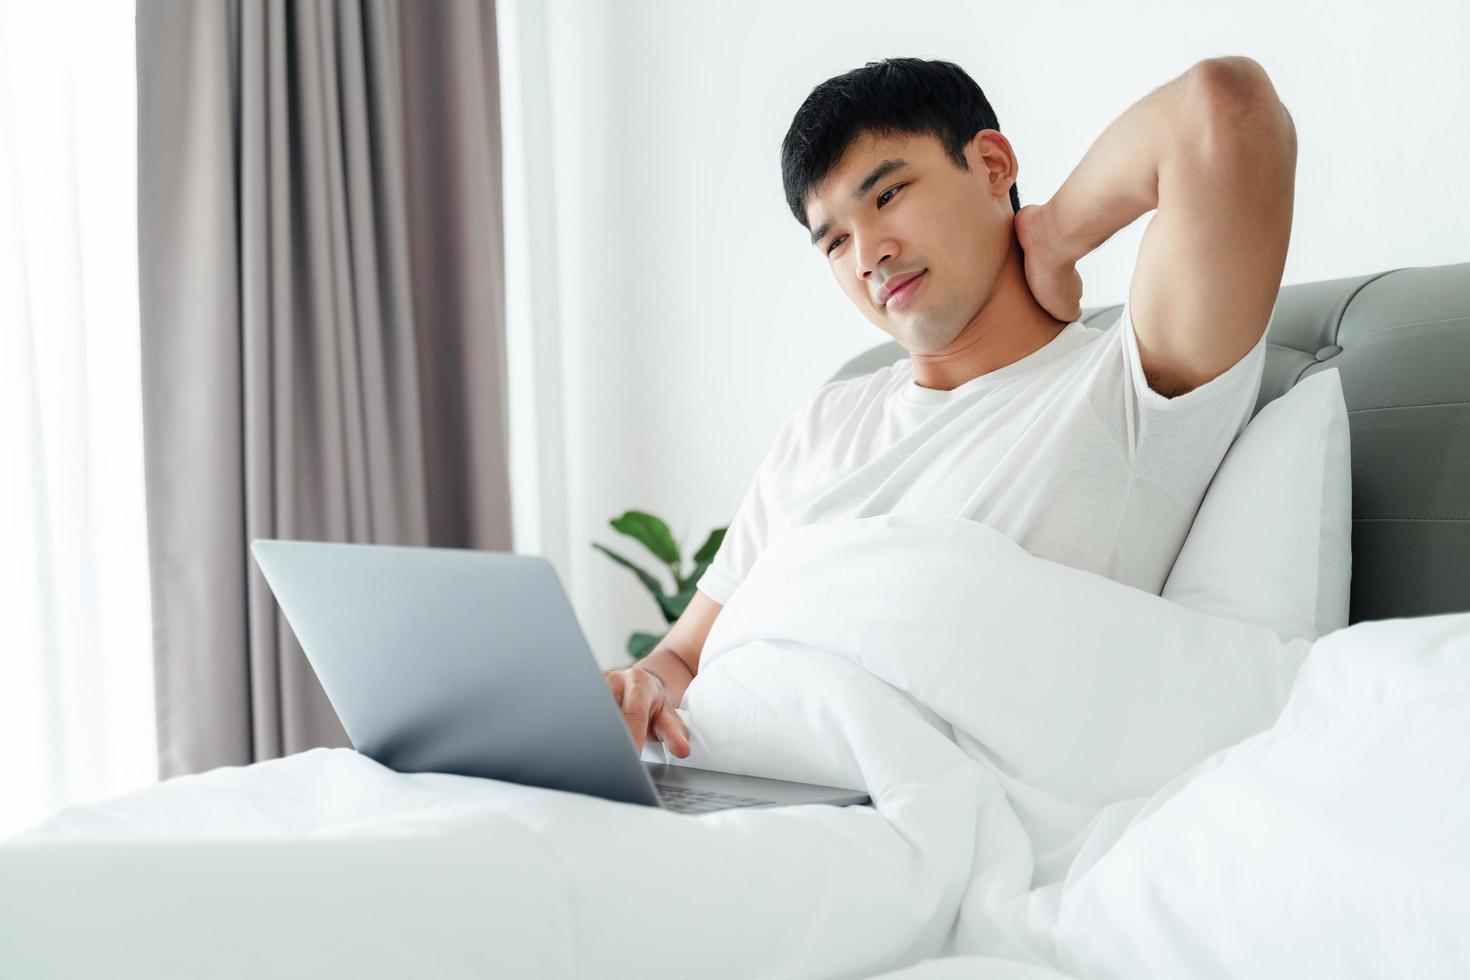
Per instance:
(869,258)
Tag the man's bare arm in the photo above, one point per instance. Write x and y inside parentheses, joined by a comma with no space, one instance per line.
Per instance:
(1214,150)
(676,658)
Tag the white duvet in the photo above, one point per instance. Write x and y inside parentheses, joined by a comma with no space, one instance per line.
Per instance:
(1070,777)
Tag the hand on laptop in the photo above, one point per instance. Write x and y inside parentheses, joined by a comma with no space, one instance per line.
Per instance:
(646,709)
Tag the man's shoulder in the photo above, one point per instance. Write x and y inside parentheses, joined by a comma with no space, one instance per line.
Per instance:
(842,397)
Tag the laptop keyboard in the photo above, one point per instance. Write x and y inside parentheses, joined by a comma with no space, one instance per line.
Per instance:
(682,799)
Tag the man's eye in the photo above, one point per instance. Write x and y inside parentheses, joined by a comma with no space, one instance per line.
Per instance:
(881,198)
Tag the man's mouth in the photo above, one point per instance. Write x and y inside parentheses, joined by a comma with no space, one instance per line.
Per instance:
(907,286)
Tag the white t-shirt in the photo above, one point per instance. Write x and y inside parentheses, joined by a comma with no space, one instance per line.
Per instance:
(1068,452)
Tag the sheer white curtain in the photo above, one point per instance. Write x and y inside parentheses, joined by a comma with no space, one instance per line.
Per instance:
(533,321)
(76,685)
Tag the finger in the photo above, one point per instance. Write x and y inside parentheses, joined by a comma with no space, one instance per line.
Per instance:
(672,732)
(683,728)
(615,684)
(661,728)
(684,746)
(635,712)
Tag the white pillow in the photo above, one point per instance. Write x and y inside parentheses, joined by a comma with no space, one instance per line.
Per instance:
(1272,541)
(1332,845)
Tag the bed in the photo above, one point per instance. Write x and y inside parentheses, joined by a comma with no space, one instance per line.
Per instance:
(1132,789)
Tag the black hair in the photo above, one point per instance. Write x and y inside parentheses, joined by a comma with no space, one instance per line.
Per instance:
(892,97)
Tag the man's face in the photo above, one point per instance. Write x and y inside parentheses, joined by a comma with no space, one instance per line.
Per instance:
(922,214)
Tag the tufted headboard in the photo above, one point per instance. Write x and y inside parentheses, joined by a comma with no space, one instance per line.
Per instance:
(1401,341)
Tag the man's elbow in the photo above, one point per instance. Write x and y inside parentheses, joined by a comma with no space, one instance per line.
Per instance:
(1235,107)
(1231,85)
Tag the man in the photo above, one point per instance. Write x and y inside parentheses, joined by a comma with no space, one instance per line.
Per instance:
(1088,447)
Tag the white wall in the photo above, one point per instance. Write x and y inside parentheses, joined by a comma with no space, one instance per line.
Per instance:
(667,312)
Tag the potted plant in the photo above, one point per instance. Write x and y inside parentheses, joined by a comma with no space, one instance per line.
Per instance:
(654,534)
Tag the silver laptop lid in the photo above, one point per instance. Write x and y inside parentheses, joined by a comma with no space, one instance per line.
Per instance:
(449,660)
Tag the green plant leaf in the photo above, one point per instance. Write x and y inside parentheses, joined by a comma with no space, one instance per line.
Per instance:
(680,601)
(670,606)
(706,552)
(702,559)
(641,645)
(693,579)
(652,533)
(654,585)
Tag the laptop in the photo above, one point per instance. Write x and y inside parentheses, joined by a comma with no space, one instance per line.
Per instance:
(472,662)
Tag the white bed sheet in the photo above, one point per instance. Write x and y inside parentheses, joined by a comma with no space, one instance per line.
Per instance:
(1038,742)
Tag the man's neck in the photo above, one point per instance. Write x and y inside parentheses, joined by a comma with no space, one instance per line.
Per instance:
(1008,327)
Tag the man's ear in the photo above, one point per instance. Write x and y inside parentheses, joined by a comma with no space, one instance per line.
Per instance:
(974,152)
(996,159)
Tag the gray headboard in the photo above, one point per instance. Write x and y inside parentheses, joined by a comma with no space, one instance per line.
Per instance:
(1401,340)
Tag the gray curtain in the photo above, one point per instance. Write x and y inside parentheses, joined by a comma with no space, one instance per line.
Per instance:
(323,330)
